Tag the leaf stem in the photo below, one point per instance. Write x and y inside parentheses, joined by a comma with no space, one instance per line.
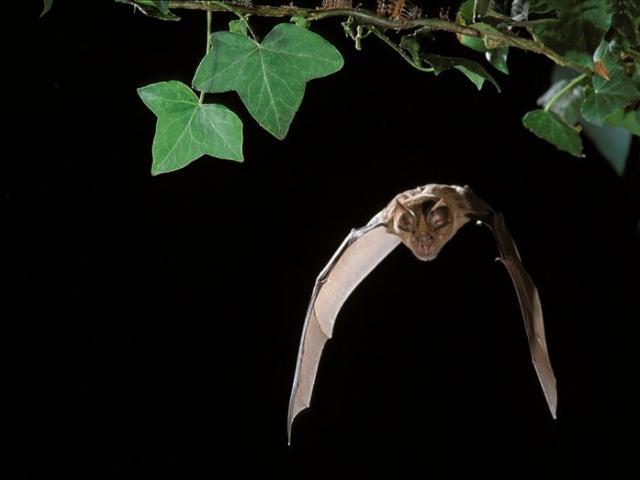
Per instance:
(564,90)
(399,50)
(208,48)
(238,14)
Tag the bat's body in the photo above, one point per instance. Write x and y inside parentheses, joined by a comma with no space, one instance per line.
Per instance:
(424,219)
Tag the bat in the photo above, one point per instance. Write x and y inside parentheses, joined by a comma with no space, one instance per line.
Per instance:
(424,219)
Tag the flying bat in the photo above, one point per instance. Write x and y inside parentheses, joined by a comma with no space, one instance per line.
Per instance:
(424,219)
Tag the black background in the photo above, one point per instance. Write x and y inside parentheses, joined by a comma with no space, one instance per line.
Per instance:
(150,324)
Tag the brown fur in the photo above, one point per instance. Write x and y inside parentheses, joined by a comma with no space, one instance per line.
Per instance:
(434,196)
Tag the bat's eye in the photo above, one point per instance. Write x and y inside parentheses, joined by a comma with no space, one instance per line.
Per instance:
(407,222)
(439,217)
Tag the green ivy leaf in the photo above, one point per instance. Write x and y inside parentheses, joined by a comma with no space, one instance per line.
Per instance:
(498,58)
(603,101)
(607,96)
(411,44)
(472,70)
(628,120)
(465,12)
(552,128)
(152,8)
(580,28)
(269,77)
(47,7)
(187,129)
(238,26)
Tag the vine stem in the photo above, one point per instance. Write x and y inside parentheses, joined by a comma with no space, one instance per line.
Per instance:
(564,90)
(370,18)
(208,49)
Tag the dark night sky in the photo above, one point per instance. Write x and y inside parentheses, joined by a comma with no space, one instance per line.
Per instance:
(150,324)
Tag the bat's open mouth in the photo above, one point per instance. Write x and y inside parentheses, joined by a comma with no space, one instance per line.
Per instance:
(425,247)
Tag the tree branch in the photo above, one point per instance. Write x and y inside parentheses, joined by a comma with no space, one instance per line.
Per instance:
(370,18)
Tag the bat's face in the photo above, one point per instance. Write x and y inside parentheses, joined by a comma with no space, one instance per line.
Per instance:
(424,224)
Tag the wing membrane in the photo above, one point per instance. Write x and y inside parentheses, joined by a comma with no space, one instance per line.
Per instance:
(358,255)
(530,307)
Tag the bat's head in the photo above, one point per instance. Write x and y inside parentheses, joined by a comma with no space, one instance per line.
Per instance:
(425,223)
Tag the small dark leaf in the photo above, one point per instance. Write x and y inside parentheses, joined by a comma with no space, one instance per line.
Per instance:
(238,26)
(472,70)
(300,21)
(411,44)
(552,128)
(498,58)
(153,8)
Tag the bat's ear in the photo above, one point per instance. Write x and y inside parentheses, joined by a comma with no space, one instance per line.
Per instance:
(407,220)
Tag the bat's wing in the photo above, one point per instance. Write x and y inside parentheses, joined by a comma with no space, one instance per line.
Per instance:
(358,255)
(526,290)
(529,304)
